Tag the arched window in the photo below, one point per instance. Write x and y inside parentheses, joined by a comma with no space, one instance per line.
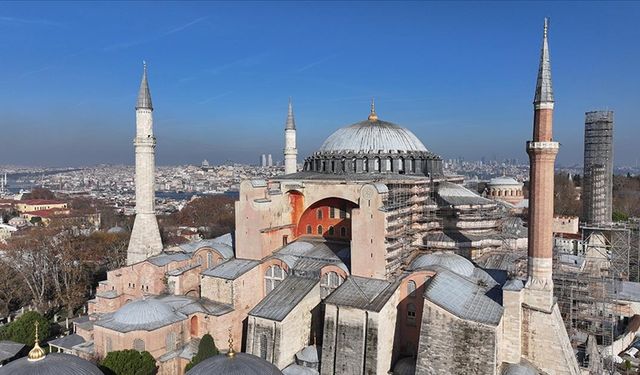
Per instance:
(274,275)
(331,230)
(376,164)
(365,165)
(400,164)
(412,165)
(318,165)
(324,165)
(411,288)
(353,165)
(138,344)
(332,212)
(193,326)
(344,165)
(389,166)
(210,259)
(309,229)
(263,347)
(171,341)
(320,230)
(329,282)
(333,165)
(319,213)
(411,314)
(343,231)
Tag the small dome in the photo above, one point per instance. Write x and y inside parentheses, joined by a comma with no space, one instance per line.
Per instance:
(452,262)
(239,364)
(51,364)
(372,137)
(144,312)
(504,181)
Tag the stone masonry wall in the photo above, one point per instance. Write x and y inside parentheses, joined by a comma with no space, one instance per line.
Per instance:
(449,345)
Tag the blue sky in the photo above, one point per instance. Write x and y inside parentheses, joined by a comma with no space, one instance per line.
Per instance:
(460,75)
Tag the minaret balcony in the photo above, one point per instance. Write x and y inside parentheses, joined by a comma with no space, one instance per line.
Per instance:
(542,145)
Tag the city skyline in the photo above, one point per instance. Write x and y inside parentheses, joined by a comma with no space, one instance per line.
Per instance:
(222,91)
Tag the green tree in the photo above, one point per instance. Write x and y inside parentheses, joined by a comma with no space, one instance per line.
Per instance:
(619,216)
(206,348)
(23,329)
(128,362)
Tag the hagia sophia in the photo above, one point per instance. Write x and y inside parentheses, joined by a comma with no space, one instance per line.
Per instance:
(362,262)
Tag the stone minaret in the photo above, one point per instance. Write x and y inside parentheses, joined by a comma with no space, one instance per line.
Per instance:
(542,152)
(290,150)
(145,238)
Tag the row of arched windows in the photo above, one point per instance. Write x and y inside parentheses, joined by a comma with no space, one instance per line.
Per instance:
(389,165)
(505,192)
(331,231)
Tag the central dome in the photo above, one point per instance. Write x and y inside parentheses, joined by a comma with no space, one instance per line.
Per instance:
(373,136)
(374,147)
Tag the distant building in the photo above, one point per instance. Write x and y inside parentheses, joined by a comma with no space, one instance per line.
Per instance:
(39,205)
(263,160)
(505,189)
(269,161)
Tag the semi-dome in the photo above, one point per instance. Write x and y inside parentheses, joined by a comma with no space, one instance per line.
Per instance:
(374,146)
(452,262)
(236,364)
(372,137)
(51,364)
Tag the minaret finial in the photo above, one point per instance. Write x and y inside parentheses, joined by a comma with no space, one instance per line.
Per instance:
(36,353)
(373,116)
(546,26)
(231,353)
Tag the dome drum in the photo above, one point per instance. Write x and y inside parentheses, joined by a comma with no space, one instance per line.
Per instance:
(410,163)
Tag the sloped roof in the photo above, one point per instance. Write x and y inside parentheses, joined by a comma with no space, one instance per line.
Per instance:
(362,293)
(284,298)
(458,195)
(231,269)
(463,298)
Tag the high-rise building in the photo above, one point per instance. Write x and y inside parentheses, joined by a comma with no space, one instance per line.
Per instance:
(145,237)
(269,161)
(597,183)
(263,160)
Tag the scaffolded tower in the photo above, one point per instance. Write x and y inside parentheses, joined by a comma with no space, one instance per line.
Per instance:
(598,167)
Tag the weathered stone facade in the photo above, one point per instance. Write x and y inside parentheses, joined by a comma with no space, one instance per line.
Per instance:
(450,345)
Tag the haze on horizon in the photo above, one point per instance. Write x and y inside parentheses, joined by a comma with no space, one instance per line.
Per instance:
(460,75)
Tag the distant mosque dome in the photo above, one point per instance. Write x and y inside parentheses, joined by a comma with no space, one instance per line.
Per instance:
(453,262)
(374,146)
(236,364)
(51,364)
(504,181)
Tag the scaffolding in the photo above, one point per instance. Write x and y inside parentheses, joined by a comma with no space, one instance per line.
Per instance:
(410,209)
(587,282)
(598,166)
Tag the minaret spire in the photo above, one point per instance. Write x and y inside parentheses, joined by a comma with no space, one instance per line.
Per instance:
(544,86)
(290,148)
(291,122)
(145,237)
(144,95)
